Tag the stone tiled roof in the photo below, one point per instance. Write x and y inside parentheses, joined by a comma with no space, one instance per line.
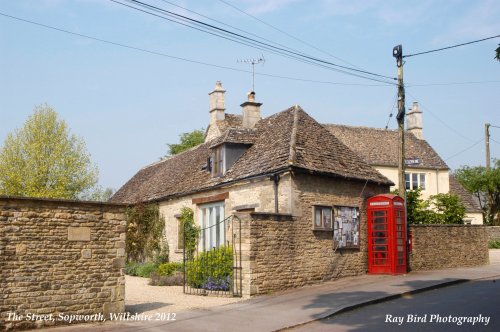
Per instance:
(379,147)
(287,140)
(470,204)
(235,135)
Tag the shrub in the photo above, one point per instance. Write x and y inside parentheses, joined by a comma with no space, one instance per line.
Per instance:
(211,270)
(176,279)
(494,244)
(131,268)
(167,269)
(140,269)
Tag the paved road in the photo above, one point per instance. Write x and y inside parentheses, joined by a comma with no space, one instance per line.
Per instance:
(420,312)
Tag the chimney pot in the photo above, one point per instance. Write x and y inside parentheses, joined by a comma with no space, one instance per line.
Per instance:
(414,123)
(251,111)
(217,107)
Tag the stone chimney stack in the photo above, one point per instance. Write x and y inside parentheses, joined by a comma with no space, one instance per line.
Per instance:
(251,111)
(414,121)
(217,103)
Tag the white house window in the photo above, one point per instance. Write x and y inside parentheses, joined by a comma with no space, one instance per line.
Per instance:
(212,226)
(322,218)
(414,181)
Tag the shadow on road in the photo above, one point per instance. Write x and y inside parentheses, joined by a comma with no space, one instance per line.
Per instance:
(142,307)
(412,312)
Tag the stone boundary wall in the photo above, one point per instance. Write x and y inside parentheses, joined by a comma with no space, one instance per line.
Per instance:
(448,246)
(493,233)
(60,257)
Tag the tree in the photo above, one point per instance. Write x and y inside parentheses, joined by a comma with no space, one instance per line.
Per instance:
(42,159)
(498,53)
(437,209)
(416,208)
(448,209)
(187,141)
(484,184)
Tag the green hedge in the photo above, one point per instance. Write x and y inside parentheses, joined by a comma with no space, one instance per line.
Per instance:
(212,270)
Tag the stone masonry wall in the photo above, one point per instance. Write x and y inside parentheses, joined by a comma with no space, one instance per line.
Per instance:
(448,246)
(258,193)
(59,257)
(493,233)
(284,250)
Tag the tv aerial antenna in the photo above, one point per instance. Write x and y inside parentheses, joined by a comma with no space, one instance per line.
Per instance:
(253,62)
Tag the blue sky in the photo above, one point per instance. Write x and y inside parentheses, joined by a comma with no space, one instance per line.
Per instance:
(127,104)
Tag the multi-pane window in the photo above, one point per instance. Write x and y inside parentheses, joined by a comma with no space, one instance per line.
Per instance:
(323,218)
(414,181)
(218,161)
(212,225)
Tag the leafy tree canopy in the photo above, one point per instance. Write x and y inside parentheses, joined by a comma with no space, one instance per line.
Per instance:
(42,159)
(484,184)
(498,53)
(437,209)
(187,141)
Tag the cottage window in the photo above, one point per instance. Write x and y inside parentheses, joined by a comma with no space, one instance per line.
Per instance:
(218,161)
(213,232)
(322,218)
(414,181)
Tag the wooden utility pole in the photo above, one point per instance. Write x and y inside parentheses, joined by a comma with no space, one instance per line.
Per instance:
(487,140)
(397,52)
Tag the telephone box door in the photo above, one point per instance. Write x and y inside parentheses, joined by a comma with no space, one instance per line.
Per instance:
(386,235)
(378,249)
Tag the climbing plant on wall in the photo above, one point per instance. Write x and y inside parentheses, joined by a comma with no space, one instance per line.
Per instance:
(145,228)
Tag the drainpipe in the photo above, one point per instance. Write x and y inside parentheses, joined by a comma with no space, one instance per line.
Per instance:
(276,179)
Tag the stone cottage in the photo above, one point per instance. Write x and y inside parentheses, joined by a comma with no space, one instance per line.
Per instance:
(283,167)
(425,169)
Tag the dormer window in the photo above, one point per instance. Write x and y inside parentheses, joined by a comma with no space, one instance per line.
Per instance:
(223,157)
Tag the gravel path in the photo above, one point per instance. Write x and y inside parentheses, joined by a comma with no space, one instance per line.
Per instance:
(143,298)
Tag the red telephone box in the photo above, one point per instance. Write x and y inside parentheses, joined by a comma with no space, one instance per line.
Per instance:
(386,235)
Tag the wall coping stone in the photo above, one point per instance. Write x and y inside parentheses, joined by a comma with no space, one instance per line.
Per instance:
(59,200)
(272,216)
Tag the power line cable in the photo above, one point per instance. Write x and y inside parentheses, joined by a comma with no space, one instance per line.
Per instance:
(448,47)
(255,42)
(392,111)
(291,51)
(227,25)
(250,44)
(285,33)
(184,59)
(466,149)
